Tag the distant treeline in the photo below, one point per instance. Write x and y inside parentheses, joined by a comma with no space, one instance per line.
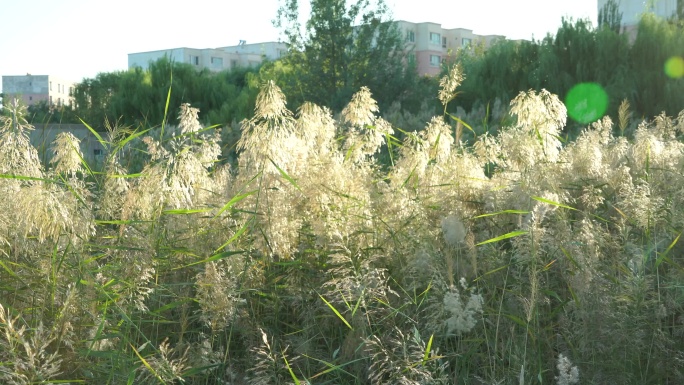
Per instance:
(631,70)
(579,53)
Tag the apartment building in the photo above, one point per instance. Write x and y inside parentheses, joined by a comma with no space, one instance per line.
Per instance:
(213,59)
(429,44)
(33,89)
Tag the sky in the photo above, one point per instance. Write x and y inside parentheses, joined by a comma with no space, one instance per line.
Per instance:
(76,39)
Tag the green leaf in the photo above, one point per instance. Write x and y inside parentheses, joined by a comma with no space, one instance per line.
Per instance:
(287,364)
(502,212)
(131,137)
(426,355)
(285,175)
(166,108)
(21,177)
(236,235)
(125,176)
(502,237)
(8,270)
(544,200)
(184,211)
(337,313)
(213,258)
(233,201)
(466,125)
(332,367)
(516,319)
(663,256)
(147,365)
(99,138)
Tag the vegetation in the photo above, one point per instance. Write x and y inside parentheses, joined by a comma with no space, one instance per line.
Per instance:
(137,97)
(341,247)
(344,47)
(631,70)
(514,260)
(330,60)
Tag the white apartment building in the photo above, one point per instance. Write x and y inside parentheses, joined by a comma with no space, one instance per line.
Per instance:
(214,59)
(430,45)
(32,89)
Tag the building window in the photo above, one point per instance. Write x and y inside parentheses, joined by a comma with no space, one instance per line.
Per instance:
(50,99)
(217,61)
(435,60)
(30,97)
(50,86)
(466,42)
(435,38)
(410,36)
(194,60)
(444,42)
(233,63)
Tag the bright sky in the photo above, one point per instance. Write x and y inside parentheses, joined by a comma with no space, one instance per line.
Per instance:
(74,39)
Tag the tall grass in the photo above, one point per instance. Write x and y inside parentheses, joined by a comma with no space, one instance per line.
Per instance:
(515,260)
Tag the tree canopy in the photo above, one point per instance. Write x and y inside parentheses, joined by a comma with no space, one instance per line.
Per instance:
(344,46)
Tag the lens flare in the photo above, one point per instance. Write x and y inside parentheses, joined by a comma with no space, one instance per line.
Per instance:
(674,67)
(586,102)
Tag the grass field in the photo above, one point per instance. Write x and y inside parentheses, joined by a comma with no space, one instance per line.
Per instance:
(513,258)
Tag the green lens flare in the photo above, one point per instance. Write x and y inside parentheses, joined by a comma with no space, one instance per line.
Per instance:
(586,102)
(674,67)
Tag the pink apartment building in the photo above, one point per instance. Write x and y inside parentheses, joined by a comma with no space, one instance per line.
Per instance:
(430,45)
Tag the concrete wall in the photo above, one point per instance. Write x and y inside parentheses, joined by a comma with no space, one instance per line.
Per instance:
(44,134)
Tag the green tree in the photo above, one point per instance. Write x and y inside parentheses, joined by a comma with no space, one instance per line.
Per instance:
(344,46)
(610,17)
(657,41)
(138,97)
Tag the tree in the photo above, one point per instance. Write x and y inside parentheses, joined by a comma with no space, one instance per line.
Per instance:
(343,47)
(610,17)
(137,97)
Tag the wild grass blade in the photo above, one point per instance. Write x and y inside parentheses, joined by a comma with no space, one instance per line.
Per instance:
(501,213)
(103,142)
(233,201)
(337,313)
(236,235)
(147,365)
(285,175)
(428,348)
(287,364)
(502,237)
(663,257)
(548,201)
